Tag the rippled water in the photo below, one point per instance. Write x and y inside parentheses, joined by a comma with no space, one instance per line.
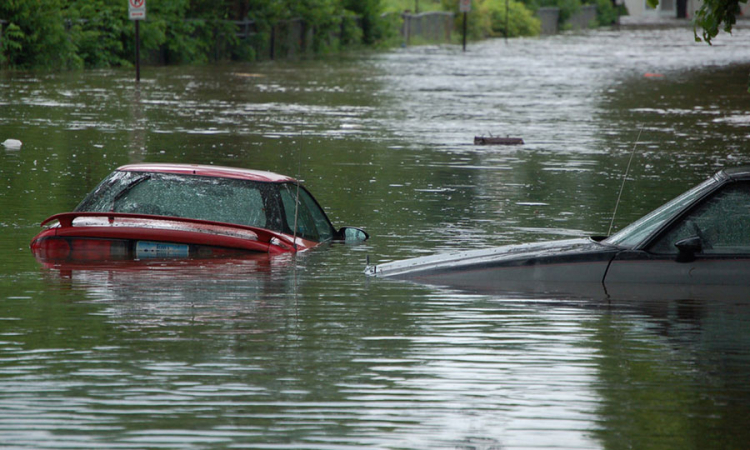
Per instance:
(305,352)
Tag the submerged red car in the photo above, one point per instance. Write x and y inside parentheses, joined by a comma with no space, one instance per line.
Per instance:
(180,211)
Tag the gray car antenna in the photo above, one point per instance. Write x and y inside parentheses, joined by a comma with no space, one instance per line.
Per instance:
(622,186)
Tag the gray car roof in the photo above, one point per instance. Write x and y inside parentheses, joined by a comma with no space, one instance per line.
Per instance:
(742,172)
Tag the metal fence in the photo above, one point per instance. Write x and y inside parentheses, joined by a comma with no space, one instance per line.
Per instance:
(429,27)
(549,17)
(294,37)
(584,18)
(290,38)
(283,39)
(426,27)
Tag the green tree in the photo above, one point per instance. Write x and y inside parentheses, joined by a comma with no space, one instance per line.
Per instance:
(487,18)
(373,28)
(521,21)
(713,16)
(98,29)
(606,13)
(35,35)
(66,34)
(179,36)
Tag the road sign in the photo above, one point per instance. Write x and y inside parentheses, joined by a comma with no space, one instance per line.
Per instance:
(137,12)
(464,6)
(137,9)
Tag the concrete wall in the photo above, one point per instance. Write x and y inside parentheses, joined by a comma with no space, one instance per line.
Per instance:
(549,18)
(430,26)
(291,38)
(436,26)
(583,19)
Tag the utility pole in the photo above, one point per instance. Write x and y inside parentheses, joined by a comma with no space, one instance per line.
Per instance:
(464,6)
(137,12)
(507,13)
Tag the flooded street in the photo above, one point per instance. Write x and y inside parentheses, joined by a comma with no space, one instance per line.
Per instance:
(306,352)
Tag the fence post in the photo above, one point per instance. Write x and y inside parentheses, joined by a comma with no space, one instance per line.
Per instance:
(2,23)
(273,41)
(341,33)
(464,31)
(407,28)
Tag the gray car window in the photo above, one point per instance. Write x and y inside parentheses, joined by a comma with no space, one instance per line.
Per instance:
(722,222)
(637,232)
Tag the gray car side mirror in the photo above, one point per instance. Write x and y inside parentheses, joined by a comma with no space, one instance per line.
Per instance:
(687,248)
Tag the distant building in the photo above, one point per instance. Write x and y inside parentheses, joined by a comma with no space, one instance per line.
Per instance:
(667,9)
(672,9)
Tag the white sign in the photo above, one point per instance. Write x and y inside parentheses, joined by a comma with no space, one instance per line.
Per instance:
(463,6)
(137,9)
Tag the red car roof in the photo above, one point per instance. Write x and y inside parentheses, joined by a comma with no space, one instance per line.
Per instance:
(208,171)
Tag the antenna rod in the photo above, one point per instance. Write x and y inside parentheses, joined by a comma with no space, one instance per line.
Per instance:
(296,203)
(622,186)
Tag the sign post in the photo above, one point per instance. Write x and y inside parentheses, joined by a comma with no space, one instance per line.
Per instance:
(137,12)
(464,6)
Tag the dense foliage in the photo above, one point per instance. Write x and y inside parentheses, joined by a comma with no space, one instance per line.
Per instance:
(606,13)
(69,34)
(63,34)
(487,18)
(520,20)
(567,7)
(35,34)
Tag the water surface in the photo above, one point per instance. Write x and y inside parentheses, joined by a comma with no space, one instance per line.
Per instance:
(305,352)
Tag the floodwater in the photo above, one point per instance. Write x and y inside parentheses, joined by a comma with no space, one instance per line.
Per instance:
(305,352)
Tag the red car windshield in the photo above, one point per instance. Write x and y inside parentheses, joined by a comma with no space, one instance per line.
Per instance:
(243,202)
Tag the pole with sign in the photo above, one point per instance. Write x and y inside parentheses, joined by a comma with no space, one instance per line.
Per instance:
(137,12)
(507,14)
(464,6)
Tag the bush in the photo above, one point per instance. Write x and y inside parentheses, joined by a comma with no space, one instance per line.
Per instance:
(98,29)
(374,29)
(606,13)
(35,35)
(487,18)
(521,21)
(567,9)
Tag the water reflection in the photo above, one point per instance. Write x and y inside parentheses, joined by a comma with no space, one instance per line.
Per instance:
(676,376)
(228,292)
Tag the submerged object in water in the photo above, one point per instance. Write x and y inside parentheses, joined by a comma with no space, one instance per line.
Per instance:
(497,140)
(12,143)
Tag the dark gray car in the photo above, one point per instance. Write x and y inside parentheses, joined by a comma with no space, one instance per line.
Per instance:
(701,238)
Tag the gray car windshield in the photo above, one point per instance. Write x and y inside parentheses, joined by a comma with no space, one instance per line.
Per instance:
(635,233)
(242,202)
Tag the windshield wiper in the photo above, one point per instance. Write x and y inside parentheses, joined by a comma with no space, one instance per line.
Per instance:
(127,189)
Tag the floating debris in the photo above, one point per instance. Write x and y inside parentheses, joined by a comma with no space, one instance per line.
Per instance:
(13,144)
(497,140)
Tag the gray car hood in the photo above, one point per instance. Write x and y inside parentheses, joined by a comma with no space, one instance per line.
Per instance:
(495,255)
